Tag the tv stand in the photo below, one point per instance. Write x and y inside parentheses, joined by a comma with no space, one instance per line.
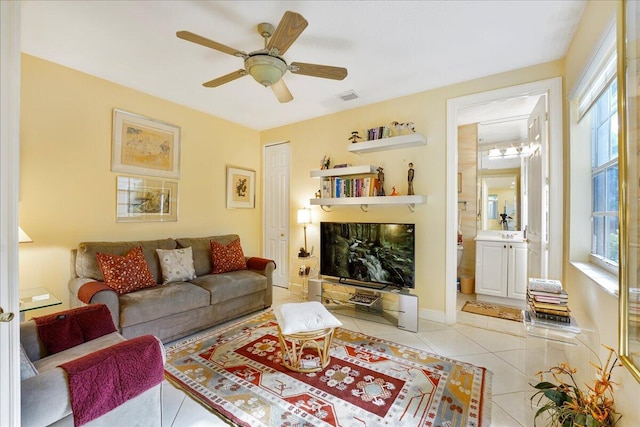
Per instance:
(388,305)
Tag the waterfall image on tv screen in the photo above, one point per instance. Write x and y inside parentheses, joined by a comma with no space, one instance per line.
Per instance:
(368,252)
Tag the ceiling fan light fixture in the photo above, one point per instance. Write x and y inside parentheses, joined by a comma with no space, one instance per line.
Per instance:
(265,69)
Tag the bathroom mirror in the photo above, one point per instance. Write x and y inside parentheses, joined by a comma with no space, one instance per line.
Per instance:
(629,162)
(499,200)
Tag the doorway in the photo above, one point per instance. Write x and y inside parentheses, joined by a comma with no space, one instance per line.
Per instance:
(277,169)
(552,88)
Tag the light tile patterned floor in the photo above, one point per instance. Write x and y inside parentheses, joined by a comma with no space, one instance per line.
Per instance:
(512,357)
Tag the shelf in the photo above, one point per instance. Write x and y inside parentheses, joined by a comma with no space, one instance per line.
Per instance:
(349,170)
(550,330)
(392,143)
(364,202)
(389,306)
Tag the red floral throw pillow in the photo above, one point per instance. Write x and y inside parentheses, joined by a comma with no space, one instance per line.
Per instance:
(127,273)
(227,257)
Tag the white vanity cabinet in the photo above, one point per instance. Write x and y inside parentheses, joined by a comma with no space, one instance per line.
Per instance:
(501,269)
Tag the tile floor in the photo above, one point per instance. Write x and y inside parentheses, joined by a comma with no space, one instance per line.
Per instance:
(512,357)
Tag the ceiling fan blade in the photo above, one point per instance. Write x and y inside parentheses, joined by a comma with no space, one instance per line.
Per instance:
(315,70)
(225,79)
(289,29)
(194,38)
(281,91)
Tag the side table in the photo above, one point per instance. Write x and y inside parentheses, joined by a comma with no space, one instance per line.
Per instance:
(35,298)
(303,269)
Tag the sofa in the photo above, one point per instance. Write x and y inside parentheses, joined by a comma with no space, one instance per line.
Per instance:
(74,367)
(173,310)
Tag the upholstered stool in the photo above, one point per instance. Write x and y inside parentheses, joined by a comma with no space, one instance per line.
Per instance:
(302,325)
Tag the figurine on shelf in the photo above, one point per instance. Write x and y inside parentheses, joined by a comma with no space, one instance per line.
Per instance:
(326,162)
(410,175)
(380,181)
(394,192)
(355,136)
(401,127)
(318,193)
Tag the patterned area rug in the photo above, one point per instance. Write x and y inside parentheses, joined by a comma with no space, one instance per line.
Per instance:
(493,310)
(236,371)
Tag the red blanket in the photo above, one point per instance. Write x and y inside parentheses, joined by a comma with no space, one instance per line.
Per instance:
(105,379)
(257,263)
(70,328)
(89,289)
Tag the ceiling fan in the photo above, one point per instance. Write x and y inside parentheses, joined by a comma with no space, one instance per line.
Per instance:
(267,66)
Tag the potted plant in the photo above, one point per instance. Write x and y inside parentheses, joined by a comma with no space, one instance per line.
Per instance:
(569,406)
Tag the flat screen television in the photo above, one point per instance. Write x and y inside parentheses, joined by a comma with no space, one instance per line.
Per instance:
(374,254)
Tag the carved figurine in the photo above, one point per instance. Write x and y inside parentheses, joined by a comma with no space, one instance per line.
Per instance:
(326,161)
(380,181)
(394,192)
(410,175)
(355,136)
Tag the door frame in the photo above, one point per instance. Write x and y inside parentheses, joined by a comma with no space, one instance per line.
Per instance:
(553,88)
(9,188)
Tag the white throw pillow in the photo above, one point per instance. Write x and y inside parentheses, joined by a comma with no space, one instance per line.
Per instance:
(176,265)
(27,370)
(304,317)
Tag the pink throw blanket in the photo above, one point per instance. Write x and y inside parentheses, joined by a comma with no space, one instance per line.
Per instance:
(105,379)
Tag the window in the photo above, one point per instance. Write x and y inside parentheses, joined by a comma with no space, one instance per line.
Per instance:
(604,178)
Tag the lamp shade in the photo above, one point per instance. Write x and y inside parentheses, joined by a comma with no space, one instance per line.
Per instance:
(265,69)
(304,216)
(23,237)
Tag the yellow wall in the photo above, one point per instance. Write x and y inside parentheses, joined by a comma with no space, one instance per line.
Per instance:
(312,139)
(67,191)
(594,307)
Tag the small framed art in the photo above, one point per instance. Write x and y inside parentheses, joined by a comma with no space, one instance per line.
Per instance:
(144,146)
(241,188)
(142,199)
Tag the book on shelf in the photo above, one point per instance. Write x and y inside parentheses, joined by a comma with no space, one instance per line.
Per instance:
(556,317)
(553,317)
(546,285)
(548,306)
(550,300)
(561,295)
(364,299)
(327,186)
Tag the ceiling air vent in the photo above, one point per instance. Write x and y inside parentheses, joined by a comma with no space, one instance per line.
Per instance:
(348,95)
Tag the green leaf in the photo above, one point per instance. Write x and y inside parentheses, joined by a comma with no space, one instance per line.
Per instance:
(557,397)
(544,385)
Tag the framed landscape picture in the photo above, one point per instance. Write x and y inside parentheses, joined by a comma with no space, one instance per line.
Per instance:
(142,199)
(241,188)
(144,146)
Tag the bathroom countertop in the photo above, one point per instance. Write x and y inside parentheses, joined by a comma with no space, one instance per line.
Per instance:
(500,236)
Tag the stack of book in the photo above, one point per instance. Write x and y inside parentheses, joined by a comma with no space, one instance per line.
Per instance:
(548,301)
(349,187)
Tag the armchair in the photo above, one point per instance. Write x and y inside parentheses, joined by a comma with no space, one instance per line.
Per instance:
(77,370)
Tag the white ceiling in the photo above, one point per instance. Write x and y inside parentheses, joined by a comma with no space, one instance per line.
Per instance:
(391,48)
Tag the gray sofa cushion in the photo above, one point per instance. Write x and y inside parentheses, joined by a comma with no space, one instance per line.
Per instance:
(87,264)
(201,247)
(160,301)
(227,286)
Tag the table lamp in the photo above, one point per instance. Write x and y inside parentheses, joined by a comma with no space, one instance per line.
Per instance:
(304,218)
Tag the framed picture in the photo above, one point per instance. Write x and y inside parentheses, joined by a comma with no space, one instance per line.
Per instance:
(141,199)
(143,146)
(241,188)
